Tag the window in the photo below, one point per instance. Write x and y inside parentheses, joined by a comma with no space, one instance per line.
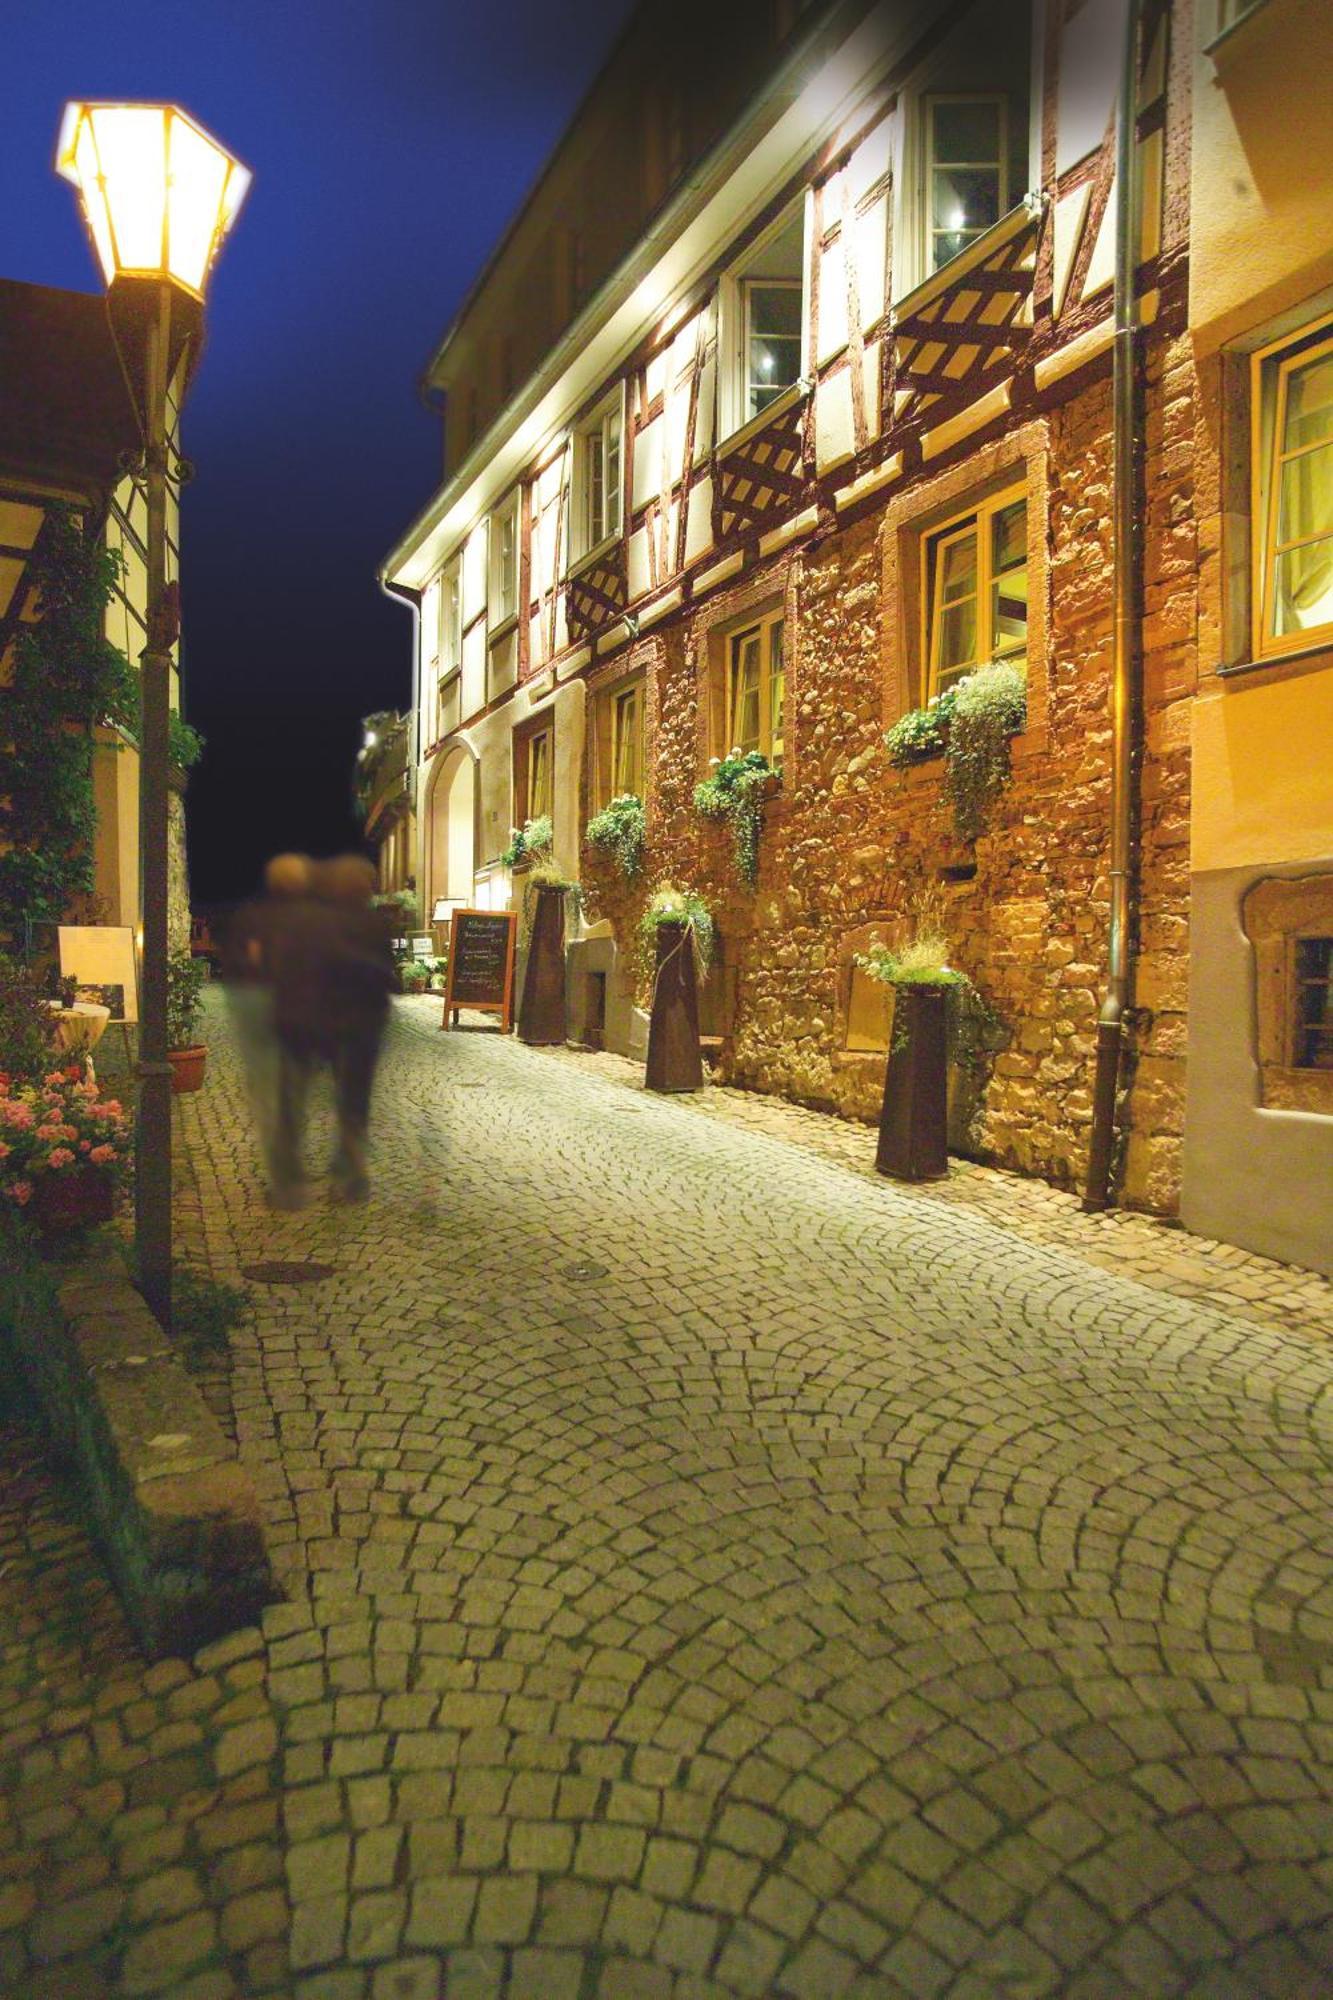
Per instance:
(504,563)
(627,741)
(1230,13)
(538,775)
(451,619)
(1293,501)
(966,172)
(763,304)
(1312,1041)
(975,590)
(756,688)
(597,479)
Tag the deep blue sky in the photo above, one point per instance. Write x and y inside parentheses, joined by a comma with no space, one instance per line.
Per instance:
(390,141)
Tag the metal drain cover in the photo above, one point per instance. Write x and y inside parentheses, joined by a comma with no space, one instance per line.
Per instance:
(585,1273)
(287,1274)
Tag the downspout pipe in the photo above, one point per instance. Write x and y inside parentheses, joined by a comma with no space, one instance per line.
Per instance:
(1126,680)
(412,598)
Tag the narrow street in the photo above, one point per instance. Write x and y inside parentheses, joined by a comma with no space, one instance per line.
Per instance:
(710,1570)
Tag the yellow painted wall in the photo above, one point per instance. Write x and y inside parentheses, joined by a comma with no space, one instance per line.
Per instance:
(1261,226)
(1262,782)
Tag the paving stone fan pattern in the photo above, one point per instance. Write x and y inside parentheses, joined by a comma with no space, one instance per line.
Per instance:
(711,1571)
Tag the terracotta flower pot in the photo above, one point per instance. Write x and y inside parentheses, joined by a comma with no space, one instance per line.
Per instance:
(187,1069)
(72,1200)
(541,1013)
(913,1125)
(674,1060)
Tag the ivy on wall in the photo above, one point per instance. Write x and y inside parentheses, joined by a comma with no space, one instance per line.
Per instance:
(67,680)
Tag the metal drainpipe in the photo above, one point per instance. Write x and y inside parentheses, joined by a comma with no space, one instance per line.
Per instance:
(1126,689)
(406,595)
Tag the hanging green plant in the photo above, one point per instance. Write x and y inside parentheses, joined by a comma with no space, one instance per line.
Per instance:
(989,707)
(734,791)
(619,830)
(68,680)
(670,905)
(970,724)
(529,841)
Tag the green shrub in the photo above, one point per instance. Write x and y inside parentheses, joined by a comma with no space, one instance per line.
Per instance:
(989,707)
(27,1029)
(734,791)
(529,841)
(185,746)
(922,732)
(619,830)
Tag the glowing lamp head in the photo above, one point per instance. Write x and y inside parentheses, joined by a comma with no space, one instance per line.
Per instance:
(158,192)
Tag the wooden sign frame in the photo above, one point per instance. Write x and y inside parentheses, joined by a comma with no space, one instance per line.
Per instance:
(504,1006)
(102,955)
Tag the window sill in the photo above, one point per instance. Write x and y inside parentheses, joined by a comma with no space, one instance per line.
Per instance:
(1318,655)
(755,426)
(1013,224)
(503,629)
(591,556)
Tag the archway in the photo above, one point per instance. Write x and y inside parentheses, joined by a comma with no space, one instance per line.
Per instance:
(451,829)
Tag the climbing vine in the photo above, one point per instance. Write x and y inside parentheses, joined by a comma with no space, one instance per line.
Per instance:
(68,679)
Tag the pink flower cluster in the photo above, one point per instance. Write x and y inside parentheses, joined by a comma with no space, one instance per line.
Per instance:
(60,1125)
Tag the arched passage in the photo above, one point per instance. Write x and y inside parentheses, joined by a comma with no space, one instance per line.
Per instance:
(451,828)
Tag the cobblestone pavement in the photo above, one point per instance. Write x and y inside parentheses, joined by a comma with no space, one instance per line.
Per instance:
(711,1571)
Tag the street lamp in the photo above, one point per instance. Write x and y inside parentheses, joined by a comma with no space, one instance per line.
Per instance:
(159,194)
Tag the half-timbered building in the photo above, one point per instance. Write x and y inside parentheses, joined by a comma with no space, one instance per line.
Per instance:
(826,430)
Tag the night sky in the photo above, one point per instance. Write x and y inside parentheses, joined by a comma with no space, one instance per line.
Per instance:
(390,144)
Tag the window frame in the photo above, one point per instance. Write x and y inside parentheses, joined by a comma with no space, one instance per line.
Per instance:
(591,437)
(506,515)
(933,539)
(628,697)
(1298,1028)
(931,99)
(734,417)
(763,624)
(1267,413)
(450,651)
(543,739)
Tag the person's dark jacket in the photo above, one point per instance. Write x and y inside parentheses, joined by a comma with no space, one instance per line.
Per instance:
(332,971)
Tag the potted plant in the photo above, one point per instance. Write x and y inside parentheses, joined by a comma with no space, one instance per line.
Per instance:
(676,938)
(619,831)
(735,790)
(414,975)
(913,1126)
(64,1149)
(185,1052)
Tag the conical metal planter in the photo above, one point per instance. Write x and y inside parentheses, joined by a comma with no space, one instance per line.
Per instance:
(541,1013)
(674,1060)
(913,1125)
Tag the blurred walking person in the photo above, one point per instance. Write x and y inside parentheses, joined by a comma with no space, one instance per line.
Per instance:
(328,958)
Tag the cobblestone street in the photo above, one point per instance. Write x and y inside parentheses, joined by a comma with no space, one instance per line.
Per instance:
(711,1570)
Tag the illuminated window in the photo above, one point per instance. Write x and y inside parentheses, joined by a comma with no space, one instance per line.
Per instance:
(966,171)
(763,310)
(451,618)
(1293,502)
(598,499)
(504,562)
(627,741)
(757,688)
(975,590)
(539,775)
(1312,1038)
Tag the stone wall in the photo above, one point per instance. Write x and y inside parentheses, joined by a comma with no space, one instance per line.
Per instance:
(851,842)
(178,875)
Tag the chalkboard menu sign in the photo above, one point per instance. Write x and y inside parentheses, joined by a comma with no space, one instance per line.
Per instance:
(481,964)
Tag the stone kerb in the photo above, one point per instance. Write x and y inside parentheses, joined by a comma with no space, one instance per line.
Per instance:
(174,1512)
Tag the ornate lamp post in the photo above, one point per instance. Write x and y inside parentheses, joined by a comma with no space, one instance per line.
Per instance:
(158,196)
